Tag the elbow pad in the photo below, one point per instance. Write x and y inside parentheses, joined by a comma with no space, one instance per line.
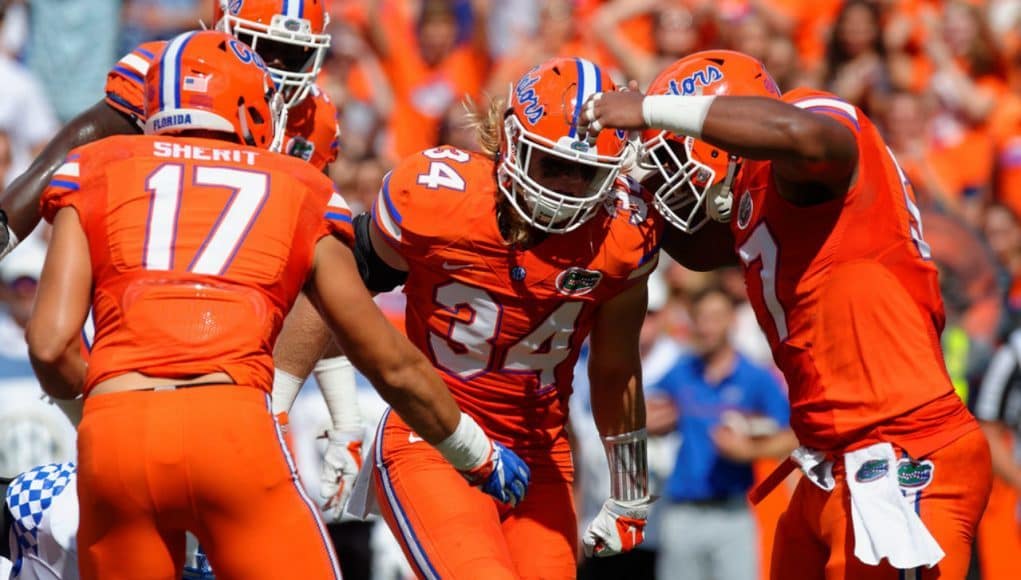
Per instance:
(377,275)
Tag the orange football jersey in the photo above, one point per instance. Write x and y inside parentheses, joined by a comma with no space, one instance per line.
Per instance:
(312,129)
(199,248)
(850,302)
(504,326)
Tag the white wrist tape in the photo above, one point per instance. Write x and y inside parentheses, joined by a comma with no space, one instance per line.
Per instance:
(285,390)
(336,378)
(467,447)
(12,241)
(629,467)
(677,114)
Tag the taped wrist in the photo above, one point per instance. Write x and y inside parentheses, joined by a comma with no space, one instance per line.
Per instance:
(467,447)
(377,275)
(336,378)
(285,390)
(684,115)
(629,468)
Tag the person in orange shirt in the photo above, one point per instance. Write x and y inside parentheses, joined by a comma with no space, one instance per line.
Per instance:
(840,276)
(426,67)
(291,37)
(191,243)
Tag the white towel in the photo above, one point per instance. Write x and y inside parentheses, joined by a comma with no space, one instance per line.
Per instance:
(885,523)
(362,502)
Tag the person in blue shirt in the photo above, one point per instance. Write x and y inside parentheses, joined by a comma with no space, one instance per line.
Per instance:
(728,412)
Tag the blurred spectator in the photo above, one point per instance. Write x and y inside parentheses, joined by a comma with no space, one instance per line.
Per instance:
(999,408)
(71,46)
(855,57)
(971,287)
(675,33)
(354,80)
(25,115)
(457,129)
(906,122)
(556,35)
(728,413)
(13,28)
(19,275)
(427,69)
(512,25)
(1003,233)
(32,432)
(146,20)
(746,335)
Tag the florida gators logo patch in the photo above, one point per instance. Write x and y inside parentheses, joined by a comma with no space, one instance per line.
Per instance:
(234,6)
(872,470)
(578,281)
(301,148)
(914,474)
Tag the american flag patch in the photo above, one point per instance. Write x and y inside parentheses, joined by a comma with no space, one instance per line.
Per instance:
(196,84)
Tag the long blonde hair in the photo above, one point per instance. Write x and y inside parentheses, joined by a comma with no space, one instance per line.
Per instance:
(488,126)
(487,123)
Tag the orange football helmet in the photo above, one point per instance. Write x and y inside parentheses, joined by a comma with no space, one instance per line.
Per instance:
(290,35)
(692,169)
(542,145)
(210,81)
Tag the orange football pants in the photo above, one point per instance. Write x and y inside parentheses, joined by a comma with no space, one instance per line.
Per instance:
(452,531)
(815,538)
(210,460)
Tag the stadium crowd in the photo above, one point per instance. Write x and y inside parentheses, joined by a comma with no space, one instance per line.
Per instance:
(941,78)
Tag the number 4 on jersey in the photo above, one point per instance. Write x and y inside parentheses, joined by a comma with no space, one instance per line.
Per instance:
(441,174)
(467,348)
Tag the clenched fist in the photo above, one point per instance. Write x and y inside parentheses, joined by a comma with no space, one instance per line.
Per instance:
(616,110)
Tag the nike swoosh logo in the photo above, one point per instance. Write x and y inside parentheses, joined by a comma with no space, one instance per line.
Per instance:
(412,438)
(448,266)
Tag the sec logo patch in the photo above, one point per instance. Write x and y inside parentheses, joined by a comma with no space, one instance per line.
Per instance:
(744,210)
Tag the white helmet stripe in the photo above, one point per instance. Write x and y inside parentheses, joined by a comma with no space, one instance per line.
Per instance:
(170,64)
(292,8)
(589,83)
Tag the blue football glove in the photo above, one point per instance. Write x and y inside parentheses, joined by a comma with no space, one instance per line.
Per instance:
(503,475)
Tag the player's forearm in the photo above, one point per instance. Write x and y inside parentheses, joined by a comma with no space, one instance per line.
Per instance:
(753,127)
(21,198)
(618,405)
(302,340)
(620,418)
(409,384)
(60,370)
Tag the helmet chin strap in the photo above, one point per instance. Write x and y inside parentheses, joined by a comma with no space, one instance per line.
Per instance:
(279,123)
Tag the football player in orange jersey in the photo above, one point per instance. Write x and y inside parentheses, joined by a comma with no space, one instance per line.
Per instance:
(290,36)
(839,274)
(190,244)
(509,260)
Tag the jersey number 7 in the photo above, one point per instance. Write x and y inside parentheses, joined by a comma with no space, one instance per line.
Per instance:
(165,186)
